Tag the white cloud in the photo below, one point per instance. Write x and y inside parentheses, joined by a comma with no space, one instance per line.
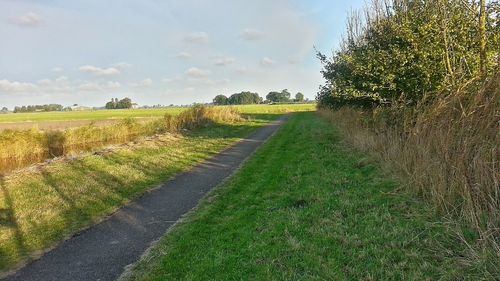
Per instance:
(57,69)
(146,83)
(170,80)
(197,37)
(89,87)
(16,87)
(60,84)
(44,82)
(241,70)
(61,79)
(113,85)
(251,34)
(28,20)
(99,71)
(223,61)
(122,65)
(267,61)
(183,55)
(195,72)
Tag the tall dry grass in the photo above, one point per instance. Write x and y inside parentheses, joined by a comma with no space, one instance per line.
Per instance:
(446,151)
(19,148)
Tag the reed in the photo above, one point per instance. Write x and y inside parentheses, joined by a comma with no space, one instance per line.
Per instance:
(445,150)
(19,148)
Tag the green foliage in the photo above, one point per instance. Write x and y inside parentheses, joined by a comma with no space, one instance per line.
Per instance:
(37,108)
(220,100)
(244,98)
(283,96)
(405,50)
(299,97)
(119,104)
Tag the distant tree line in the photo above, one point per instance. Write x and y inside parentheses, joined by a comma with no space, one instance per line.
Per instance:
(37,108)
(119,104)
(254,98)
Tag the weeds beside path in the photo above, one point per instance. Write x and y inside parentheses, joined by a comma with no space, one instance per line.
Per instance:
(305,207)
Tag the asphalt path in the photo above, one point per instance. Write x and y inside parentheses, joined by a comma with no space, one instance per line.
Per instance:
(104,250)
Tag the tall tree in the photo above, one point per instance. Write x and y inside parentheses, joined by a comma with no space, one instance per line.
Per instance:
(220,100)
(299,97)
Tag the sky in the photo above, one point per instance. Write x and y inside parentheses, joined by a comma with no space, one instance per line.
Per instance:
(163,52)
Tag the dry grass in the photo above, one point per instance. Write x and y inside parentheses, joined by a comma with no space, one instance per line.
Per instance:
(446,151)
(20,148)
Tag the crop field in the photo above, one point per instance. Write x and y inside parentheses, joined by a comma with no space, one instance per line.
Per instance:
(40,118)
(87,115)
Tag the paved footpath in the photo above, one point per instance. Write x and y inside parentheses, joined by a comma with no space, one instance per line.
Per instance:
(102,251)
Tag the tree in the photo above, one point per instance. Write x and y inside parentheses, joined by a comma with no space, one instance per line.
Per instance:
(283,96)
(124,103)
(244,98)
(299,97)
(220,100)
(4,110)
(110,104)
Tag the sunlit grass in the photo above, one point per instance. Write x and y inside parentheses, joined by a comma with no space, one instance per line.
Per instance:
(39,209)
(307,207)
(139,113)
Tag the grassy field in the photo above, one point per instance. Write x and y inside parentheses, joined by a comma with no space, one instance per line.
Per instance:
(137,113)
(21,147)
(88,115)
(306,207)
(39,209)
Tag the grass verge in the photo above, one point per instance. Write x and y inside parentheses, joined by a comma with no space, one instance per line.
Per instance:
(306,207)
(39,209)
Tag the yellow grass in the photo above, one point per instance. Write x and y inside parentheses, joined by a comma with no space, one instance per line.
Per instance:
(446,151)
(19,148)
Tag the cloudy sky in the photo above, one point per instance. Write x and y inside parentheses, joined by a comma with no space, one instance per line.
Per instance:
(162,51)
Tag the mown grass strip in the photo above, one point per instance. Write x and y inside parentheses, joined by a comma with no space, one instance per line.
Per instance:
(305,207)
(39,209)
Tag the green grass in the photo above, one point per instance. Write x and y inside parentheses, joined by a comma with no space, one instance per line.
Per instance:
(306,207)
(88,115)
(39,209)
(138,113)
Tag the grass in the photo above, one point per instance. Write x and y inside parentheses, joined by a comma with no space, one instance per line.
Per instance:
(306,207)
(88,115)
(20,148)
(445,151)
(39,209)
(138,113)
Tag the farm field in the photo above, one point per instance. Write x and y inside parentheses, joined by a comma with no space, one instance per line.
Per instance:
(307,207)
(87,115)
(62,120)
(64,197)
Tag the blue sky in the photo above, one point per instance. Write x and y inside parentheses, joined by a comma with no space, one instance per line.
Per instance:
(162,52)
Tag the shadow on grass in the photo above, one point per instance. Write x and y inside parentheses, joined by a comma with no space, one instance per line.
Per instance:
(79,193)
(8,220)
